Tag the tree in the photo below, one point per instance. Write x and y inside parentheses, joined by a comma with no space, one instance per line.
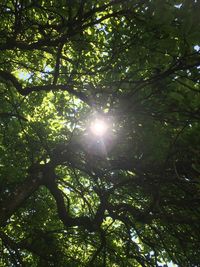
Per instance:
(131,196)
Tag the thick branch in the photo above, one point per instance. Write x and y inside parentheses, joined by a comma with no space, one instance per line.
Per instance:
(21,193)
(57,66)
(11,78)
(62,87)
(13,115)
(50,87)
(62,212)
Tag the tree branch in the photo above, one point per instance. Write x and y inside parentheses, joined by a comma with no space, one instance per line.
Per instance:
(57,66)
(14,115)
(62,212)
(50,87)
(22,192)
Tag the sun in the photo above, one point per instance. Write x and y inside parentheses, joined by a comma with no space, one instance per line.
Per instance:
(98,127)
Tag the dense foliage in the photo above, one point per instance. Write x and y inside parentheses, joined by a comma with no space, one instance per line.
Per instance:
(132,196)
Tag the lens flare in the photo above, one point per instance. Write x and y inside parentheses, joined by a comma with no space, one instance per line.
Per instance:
(98,127)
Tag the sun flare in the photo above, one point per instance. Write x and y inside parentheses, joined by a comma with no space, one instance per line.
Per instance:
(98,127)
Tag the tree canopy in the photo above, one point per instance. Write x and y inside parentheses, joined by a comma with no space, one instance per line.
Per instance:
(128,197)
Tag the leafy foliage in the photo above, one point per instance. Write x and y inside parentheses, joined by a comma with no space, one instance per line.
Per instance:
(130,197)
